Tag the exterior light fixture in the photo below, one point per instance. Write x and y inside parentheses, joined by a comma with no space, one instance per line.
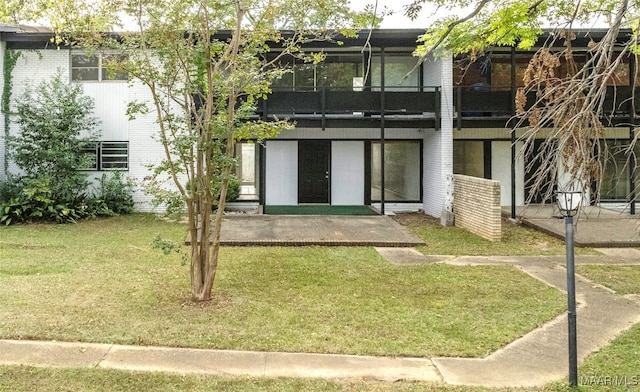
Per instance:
(569,205)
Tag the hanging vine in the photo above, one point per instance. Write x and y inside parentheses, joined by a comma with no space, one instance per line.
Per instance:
(10,60)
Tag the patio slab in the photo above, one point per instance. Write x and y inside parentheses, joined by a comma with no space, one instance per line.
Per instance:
(595,226)
(310,230)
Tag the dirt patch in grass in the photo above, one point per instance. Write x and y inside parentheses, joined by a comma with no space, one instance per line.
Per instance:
(415,219)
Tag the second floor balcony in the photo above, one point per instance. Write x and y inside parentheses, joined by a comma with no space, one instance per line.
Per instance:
(326,107)
(370,107)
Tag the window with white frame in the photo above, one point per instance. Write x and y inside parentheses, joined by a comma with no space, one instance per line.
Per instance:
(107,156)
(96,67)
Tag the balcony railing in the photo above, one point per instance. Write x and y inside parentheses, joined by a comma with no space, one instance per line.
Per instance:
(412,107)
(476,108)
(325,106)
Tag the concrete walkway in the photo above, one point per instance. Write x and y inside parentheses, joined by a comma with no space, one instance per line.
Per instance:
(542,355)
(533,360)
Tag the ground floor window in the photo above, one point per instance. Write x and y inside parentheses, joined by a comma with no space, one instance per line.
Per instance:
(107,156)
(615,184)
(402,170)
(468,158)
(247,170)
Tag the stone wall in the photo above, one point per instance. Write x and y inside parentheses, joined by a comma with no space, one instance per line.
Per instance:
(476,206)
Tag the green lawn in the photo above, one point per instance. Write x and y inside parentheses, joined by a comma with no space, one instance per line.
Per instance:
(15,378)
(20,378)
(623,279)
(100,281)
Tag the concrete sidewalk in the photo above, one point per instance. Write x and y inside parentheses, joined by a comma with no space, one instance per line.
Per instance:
(214,362)
(533,360)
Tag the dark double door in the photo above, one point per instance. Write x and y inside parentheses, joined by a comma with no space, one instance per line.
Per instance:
(314,171)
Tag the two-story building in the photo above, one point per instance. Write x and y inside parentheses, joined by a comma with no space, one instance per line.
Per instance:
(368,131)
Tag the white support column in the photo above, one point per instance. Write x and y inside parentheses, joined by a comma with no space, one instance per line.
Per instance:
(438,145)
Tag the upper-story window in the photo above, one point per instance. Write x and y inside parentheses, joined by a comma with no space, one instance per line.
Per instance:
(96,67)
(399,72)
(338,72)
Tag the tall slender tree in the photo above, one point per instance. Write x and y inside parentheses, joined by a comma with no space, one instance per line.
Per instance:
(205,63)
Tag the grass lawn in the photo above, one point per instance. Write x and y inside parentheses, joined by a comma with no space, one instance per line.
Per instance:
(19,378)
(100,281)
(517,240)
(623,279)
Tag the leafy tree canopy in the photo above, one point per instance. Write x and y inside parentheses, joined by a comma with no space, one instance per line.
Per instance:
(468,27)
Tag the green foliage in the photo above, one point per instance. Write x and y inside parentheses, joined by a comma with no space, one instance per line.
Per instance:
(10,59)
(166,246)
(233,188)
(56,124)
(116,192)
(48,150)
(9,189)
(33,200)
(36,203)
(469,27)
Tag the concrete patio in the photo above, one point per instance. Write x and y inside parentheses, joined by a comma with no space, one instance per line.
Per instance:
(595,226)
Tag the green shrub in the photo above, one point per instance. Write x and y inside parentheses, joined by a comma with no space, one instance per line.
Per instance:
(116,192)
(56,126)
(37,203)
(10,189)
(233,189)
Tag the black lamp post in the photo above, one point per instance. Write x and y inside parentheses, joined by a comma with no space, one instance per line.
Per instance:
(569,204)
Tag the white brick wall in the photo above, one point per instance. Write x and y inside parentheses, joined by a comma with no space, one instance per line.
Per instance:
(144,147)
(111,101)
(438,145)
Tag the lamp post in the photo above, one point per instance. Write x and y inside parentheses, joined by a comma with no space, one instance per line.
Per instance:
(569,204)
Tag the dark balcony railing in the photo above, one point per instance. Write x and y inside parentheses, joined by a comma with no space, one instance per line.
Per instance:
(494,108)
(475,107)
(411,107)
(365,107)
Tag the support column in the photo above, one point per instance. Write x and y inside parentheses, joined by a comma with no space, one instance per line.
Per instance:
(382,106)
(513,134)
